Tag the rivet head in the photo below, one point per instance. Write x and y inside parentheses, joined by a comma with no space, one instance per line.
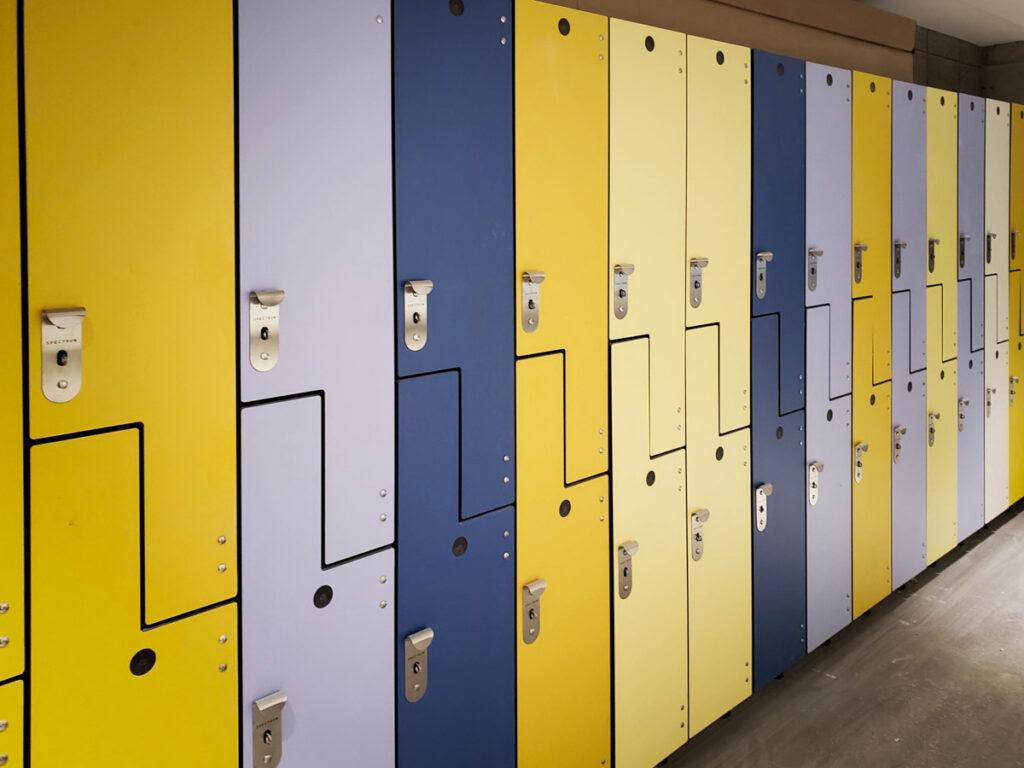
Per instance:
(506,534)
(504,41)
(383,604)
(3,759)
(505,458)
(383,579)
(222,639)
(504,19)
(504,556)
(222,540)
(222,567)
(383,518)
(380,19)
(223,667)
(505,479)
(5,607)
(383,492)
(3,726)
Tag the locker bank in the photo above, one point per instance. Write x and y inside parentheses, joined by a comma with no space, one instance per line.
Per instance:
(511,383)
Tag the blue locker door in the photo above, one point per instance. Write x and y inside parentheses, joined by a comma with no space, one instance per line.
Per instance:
(454,225)
(777,364)
(456,578)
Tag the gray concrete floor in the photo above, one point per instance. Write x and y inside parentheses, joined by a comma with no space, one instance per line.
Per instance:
(932,678)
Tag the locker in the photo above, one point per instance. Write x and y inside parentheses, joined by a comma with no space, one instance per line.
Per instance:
(456,580)
(454,225)
(909,443)
(131,218)
(942,320)
(971,317)
(829,545)
(871,264)
(718,511)
(563,666)
(718,213)
(342,614)
(910,221)
(315,218)
(647,178)
(561,156)
(648,558)
(1016,368)
(12,738)
(1016,320)
(997,313)
(86,497)
(12,552)
(829,336)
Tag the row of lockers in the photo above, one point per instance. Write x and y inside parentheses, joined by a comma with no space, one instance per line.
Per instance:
(538,385)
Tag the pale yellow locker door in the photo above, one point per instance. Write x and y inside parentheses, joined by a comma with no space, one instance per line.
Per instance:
(563,627)
(718,542)
(943,240)
(12,737)
(1016,318)
(648,559)
(562,214)
(647,226)
(12,510)
(129,111)
(718,216)
(102,686)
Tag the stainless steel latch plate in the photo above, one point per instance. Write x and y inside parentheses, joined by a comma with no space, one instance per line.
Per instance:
(761,267)
(531,299)
(933,417)
(814,470)
(897,443)
(858,261)
(961,413)
(621,288)
(858,461)
(531,609)
(416,646)
(416,292)
(697,267)
(62,353)
(897,257)
(813,254)
(988,246)
(697,521)
(626,552)
(264,328)
(761,494)
(964,240)
(933,244)
(266,730)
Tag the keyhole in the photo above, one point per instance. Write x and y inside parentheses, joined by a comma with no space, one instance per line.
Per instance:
(622,293)
(696,285)
(415,317)
(62,357)
(267,737)
(264,333)
(416,667)
(625,572)
(532,614)
(531,304)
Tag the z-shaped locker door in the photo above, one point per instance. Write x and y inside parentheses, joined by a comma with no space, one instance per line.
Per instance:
(827,297)
(909,330)
(1016,241)
(872,340)
(561,157)
(89,641)
(971,317)
(141,245)
(997,312)
(941,425)
(777,362)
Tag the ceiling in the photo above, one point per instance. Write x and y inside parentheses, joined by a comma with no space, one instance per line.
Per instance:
(982,22)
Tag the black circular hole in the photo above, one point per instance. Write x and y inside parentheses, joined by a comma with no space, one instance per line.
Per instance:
(910,386)
(997,354)
(872,399)
(650,477)
(649,43)
(828,415)
(972,106)
(720,57)
(872,87)
(457,7)
(828,79)
(459,546)
(970,363)
(910,95)
(719,453)
(779,433)
(942,374)
(999,110)
(781,69)
(142,662)
(323,596)
(942,101)
(563,26)
(564,508)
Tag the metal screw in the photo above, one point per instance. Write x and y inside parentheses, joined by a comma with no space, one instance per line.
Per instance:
(505,479)
(223,667)
(222,567)
(506,534)
(4,641)
(504,556)
(503,19)
(62,384)
(383,492)
(505,458)
(504,41)
(383,579)
(5,607)
(383,518)
(383,603)
(3,759)
(380,19)
(222,540)
(3,726)
(602,518)
(601,499)
(222,639)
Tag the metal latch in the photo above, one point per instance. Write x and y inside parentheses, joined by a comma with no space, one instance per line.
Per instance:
(697,267)
(763,257)
(933,243)
(416,646)
(264,328)
(897,257)
(761,495)
(1014,381)
(531,300)
(858,461)
(988,246)
(622,273)
(1013,243)
(897,443)
(266,730)
(416,292)
(989,391)
(858,261)
(932,418)
(964,240)
(697,520)
(62,353)
(961,413)
(531,609)
(813,254)
(626,553)
(814,470)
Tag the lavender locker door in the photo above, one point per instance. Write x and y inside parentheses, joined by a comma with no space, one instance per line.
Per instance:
(970,383)
(316,222)
(322,635)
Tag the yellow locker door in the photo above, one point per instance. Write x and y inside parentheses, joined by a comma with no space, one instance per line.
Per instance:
(943,248)
(12,511)
(718,216)
(718,543)
(872,340)
(91,654)
(130,199)
(1016,317)
(649,562)
(647,193)
(563,628)
(12,748)
(562,214)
